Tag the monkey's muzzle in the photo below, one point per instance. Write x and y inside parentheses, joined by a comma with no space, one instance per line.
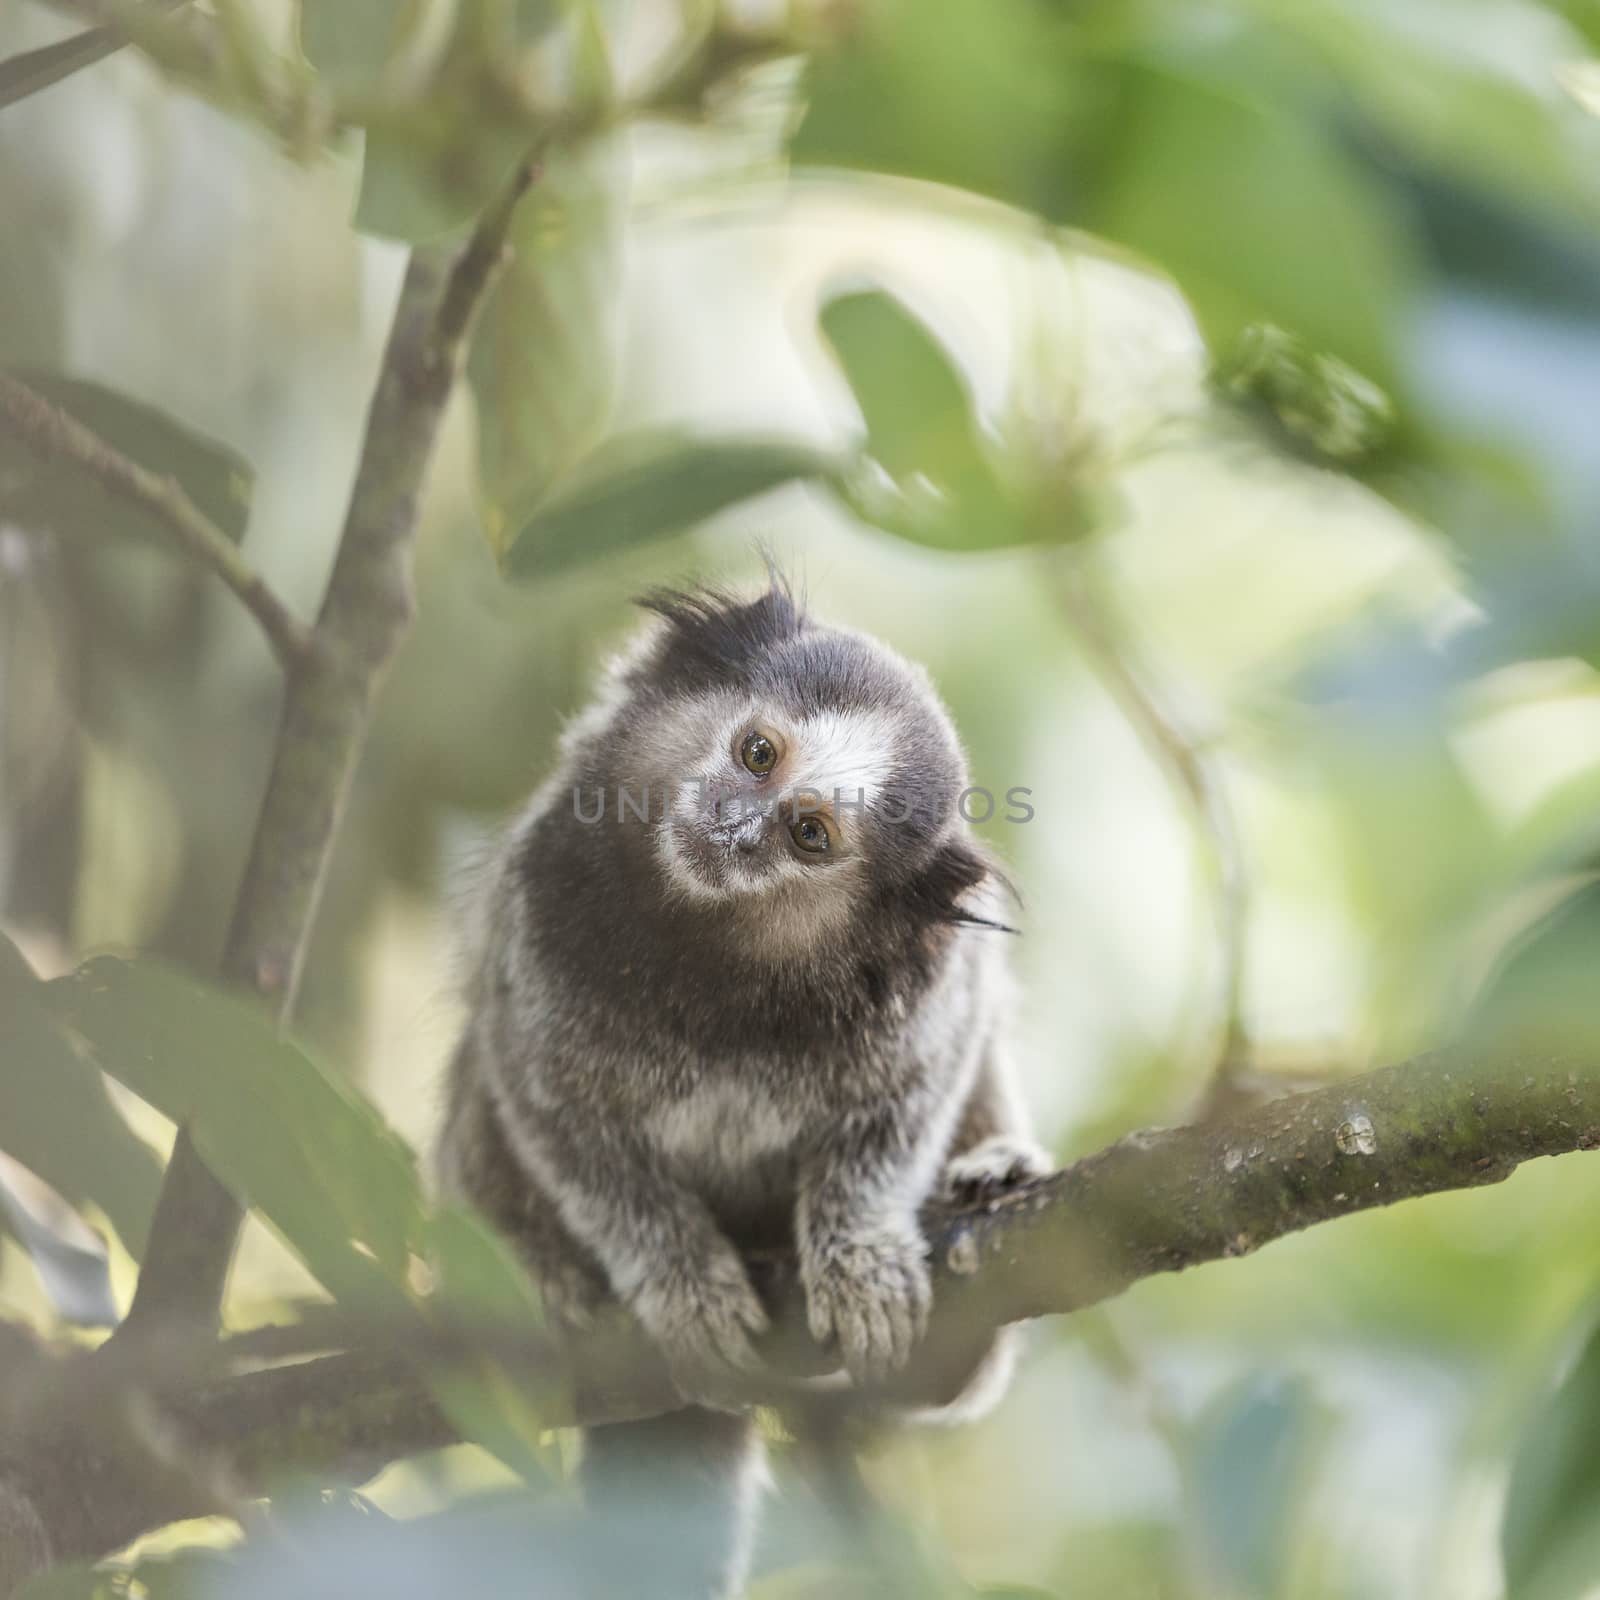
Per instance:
(743,833)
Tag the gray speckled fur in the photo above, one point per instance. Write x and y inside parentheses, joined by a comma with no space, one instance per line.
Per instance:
(657,1077)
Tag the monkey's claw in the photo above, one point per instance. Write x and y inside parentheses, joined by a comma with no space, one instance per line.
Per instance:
(992,1167)
(871,1294)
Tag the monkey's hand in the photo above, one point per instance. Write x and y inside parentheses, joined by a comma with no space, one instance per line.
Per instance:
(871,1293)
(994,1166)
(659,1247)
(701,1310)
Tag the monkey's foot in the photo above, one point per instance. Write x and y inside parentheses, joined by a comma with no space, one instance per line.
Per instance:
(992,1167)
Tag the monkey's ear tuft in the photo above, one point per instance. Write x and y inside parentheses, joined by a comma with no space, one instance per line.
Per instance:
(939,892)
(717,633)
(780,586)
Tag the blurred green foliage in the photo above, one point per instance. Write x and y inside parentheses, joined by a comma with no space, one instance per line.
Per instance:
(558,296)
(645,487)
(1553,1509)
(55,497)
(1279,316)
(922,432)
(58,1119)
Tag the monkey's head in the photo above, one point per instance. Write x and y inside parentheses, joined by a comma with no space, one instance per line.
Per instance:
(797,774)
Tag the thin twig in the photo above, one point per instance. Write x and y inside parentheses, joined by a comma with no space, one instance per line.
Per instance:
(479,264)
(1089,610)
(171,33)
(53,434)
(35,70)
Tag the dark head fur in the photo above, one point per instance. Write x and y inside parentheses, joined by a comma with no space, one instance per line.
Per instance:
(683,897)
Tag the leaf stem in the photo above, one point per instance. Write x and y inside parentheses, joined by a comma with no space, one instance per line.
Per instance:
(1091,614)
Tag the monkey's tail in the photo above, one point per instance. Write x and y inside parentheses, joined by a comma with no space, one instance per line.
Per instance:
(672,1502)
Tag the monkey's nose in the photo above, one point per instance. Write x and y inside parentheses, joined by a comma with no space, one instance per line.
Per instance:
(748,834)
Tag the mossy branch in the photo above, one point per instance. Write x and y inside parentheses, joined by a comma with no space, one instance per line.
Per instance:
(1154,1202)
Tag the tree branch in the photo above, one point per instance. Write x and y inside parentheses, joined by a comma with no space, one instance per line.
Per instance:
(33,70)
(53,434)
(1154,1202)
(365,613)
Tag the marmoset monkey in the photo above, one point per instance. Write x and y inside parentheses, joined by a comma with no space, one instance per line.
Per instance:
(737,984)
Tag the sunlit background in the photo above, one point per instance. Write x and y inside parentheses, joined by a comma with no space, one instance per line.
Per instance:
(1378,657)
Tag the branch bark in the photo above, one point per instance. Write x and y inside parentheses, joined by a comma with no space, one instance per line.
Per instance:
(1157,1201)
(365,613)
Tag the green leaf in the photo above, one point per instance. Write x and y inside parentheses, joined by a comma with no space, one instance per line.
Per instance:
(1260,215)
(1259,211)
(915,401)
(481,1282)
(1548,1533)
(543,362)
(285,1137)
(56,1117)
(647,486)
(352,39)
(416,187)
(982,101)
(1247,1470)
(430,173)
(1539,996)
(922,431)
(62,498)
(480,1277)
(1474,109)
(318,1162)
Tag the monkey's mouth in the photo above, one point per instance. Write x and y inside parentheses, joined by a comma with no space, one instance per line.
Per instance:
(721,853)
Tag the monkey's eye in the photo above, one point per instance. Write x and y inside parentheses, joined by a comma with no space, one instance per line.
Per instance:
(812,836)
(759,754)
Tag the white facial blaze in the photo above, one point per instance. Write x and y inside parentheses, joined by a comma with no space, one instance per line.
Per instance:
(843,754)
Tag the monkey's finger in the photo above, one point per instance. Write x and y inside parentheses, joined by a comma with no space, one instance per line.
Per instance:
(912,1310)
(921,1304)
(753,1314)
(878,1322)
(901,1331)
(874,1340)
(731,1297)
(820,1318)
(854,1344)
(730,1343)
